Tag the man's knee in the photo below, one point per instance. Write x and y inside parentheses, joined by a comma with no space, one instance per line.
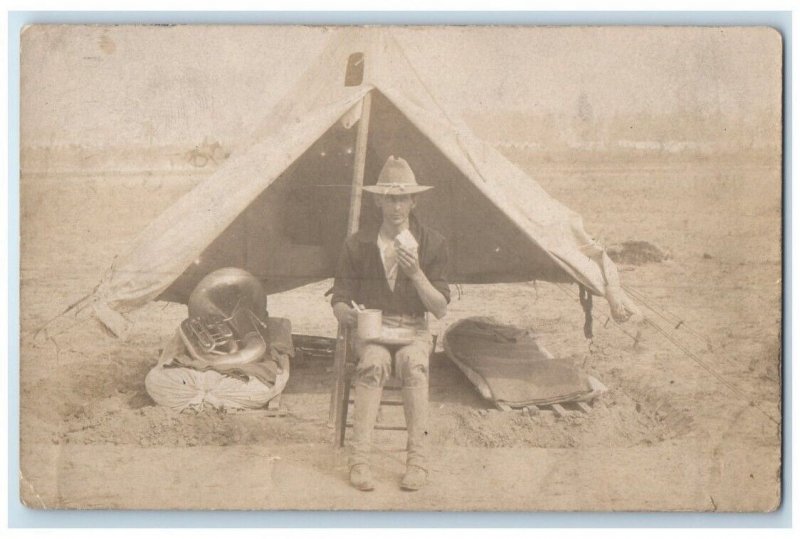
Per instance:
(374,365)
(412,365)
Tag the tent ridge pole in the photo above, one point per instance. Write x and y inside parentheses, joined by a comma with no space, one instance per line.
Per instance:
(359,164)
(338,402)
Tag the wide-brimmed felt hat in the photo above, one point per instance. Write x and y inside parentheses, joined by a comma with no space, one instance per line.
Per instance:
(396,178)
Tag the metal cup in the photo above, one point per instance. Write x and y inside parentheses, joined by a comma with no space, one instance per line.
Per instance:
(369,324)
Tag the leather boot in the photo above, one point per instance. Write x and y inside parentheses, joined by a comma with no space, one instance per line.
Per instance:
(361,477)
(415,406)
(366,402)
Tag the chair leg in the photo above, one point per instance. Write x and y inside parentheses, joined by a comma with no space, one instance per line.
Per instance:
(344,406)
(340,385)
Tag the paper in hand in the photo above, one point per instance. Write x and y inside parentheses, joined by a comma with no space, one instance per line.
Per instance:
(407,241)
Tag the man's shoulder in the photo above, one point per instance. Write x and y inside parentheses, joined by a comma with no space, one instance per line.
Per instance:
(431,235)
(354,242)
(358,237)
(367,236)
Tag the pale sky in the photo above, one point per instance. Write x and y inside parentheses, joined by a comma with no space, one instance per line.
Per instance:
(112,86)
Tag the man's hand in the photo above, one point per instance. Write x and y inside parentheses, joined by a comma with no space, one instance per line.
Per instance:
(408,261)
(345,314)
(433,300)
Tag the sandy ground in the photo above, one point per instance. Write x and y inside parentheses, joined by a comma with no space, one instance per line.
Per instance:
(668,435)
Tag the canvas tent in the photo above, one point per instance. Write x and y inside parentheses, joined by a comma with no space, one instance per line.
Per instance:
(278,207)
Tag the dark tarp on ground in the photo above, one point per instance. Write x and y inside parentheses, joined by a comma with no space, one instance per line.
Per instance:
(508,366)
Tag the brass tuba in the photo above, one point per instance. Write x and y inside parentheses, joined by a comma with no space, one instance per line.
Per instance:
(227,322)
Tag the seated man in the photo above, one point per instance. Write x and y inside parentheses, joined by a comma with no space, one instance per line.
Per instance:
(401,269)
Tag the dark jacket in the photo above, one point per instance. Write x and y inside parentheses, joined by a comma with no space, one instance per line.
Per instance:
(360,275)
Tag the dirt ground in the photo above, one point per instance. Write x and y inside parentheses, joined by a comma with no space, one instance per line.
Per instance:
(668,435)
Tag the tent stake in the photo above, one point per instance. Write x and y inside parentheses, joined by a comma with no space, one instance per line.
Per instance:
(340,356)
